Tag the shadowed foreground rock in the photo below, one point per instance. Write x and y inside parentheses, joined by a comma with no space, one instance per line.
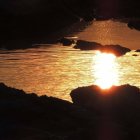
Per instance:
(29,117)
(118,108)
(94,97)
(94,115)
(115,49)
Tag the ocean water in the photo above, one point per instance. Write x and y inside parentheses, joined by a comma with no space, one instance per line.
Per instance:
(55,70)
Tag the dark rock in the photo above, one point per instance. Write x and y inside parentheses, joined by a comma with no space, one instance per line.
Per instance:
(123,101)
(95,93)
(135,55)
(66,41)
(115,49)
(138,50)
(134,24)
(117,107)
(94,114)
(27,116)
(86,45)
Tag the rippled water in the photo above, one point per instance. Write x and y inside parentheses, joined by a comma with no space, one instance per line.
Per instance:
(55,70)
(109,32)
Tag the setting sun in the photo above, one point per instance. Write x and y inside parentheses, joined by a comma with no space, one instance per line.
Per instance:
(105,73)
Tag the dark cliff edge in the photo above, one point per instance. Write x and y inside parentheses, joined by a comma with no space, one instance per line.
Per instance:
(93,114)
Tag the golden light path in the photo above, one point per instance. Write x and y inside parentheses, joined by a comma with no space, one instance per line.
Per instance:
(105,70)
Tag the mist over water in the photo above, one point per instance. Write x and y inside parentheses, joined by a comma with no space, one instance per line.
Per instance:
(55,70)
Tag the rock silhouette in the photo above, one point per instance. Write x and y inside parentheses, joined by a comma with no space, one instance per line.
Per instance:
(115,49)
(92,95)
(94,114)
(134,24)
(138,50)
(27,116)
(66,41)
(135,55)
(119,104)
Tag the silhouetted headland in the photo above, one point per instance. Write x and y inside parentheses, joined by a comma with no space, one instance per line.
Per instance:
(93,113)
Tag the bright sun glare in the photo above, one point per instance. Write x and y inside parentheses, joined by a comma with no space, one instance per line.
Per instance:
(105,73)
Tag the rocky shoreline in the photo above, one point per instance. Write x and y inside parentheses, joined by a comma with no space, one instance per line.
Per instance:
(112,114)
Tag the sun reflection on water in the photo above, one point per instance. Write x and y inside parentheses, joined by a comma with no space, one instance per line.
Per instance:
(105,70)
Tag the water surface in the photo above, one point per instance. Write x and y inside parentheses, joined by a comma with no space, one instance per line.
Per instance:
(109,32)
(55,70)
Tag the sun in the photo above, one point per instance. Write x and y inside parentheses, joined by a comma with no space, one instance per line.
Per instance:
(105,70)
